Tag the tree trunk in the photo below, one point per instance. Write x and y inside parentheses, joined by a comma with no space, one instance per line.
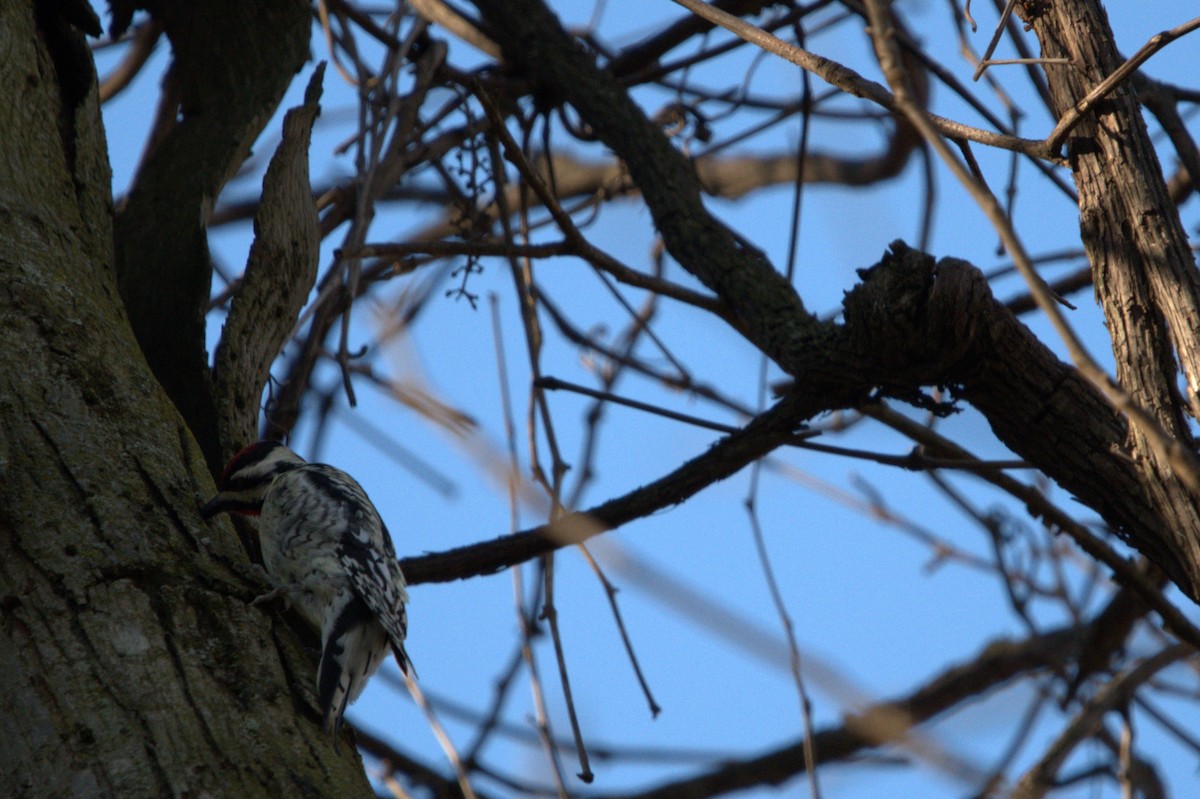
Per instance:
(133,664)
(1143,269)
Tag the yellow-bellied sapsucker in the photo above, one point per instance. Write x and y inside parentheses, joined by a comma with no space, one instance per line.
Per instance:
(328,553)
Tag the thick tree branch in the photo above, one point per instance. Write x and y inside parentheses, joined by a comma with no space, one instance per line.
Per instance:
(279,276)
(763,434)
(763,302)
(231,63)
(648,51)
(909,329)
(1144,272)
(915,322)
(884,723)
(912,322)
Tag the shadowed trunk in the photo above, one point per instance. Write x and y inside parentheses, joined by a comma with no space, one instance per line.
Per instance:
(133,664)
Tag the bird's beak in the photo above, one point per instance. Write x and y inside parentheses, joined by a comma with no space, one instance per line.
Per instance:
(242,502)
(213,507)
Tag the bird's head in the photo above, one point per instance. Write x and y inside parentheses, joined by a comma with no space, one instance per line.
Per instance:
(247,477)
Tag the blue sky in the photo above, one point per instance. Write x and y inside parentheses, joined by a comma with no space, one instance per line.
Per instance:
(865,601)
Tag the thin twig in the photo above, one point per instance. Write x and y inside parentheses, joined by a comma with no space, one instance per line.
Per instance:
(874,507)
(142,43)
(1156,42)
(851,82)
(1003,61)
(491,721)
(526,626)
(1124,571)
(440,733)
(1041,777)
(676,382)
(610,591)
(550,615)
(542,718)
(996,34)
(789,629)
(554,384)
(915,461)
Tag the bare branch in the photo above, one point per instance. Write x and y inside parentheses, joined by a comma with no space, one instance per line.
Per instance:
(851,82)
(279,275)
(1158,41)
(1039,779)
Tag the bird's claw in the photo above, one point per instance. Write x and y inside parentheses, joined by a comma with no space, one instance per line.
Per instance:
(275,593)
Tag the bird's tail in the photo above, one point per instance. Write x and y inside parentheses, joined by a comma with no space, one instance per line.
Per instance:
(403,661)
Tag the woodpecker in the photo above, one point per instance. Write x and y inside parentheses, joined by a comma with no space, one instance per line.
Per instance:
(329,554)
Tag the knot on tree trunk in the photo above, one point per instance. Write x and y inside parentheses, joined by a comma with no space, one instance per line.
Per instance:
(916,322)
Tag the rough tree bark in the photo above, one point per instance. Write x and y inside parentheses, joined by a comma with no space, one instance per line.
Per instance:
(133,665)
(1143,269)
